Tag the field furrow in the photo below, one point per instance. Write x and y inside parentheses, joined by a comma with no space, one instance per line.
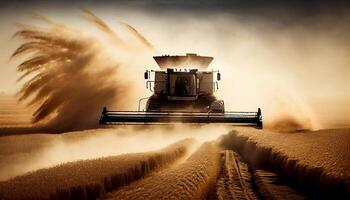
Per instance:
(89,179)
(270,187)
(192,179)
(303,159)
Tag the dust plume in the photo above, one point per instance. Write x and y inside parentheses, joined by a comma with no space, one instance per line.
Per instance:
(20,154)
(69,75)
(288,123)
(138,35)
(288,114)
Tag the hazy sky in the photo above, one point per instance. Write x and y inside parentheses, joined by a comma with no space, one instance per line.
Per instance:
(317,15)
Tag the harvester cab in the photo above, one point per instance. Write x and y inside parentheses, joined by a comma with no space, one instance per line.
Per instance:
(183,92)
(183,84)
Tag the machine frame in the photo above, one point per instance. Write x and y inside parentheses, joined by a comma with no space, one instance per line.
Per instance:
(170,102)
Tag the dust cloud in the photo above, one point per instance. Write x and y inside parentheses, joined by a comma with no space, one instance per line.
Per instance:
(288,114)
(25,153)
(70,74)
(295,71)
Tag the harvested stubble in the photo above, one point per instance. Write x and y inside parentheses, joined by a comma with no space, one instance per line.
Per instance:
(192,179)
(306,175)
(89,179)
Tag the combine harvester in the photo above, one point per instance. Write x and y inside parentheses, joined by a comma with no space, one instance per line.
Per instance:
(183,92)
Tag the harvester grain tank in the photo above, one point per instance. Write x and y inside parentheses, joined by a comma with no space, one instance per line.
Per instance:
(183,92)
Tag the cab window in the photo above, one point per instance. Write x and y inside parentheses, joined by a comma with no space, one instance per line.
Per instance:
(182,84)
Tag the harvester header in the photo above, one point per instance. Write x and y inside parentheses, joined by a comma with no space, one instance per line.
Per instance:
(183,92)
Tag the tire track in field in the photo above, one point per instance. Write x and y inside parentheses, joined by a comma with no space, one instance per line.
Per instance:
(234,181)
